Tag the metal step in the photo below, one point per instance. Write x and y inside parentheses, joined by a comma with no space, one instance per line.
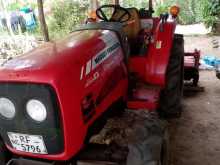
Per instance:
(144,96)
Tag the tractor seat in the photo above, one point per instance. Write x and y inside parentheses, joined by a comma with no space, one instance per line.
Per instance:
(134,24)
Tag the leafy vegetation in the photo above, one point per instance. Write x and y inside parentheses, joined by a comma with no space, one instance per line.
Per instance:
(194,11)
(15,6)
(191,10)
(68,14)
(211,13)
(65,16)
(129,3)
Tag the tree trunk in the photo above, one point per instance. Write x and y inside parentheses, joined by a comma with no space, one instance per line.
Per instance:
(1,6)
(3,10)
(43,24)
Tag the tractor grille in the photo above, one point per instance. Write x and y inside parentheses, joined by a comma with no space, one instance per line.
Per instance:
(50,129)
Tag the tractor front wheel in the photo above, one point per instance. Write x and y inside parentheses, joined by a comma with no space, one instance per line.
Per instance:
(152,147)
(3,154)
(171,96)
(165,149)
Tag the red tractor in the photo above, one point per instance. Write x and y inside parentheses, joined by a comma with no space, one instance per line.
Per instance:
(191,67)
(52,97)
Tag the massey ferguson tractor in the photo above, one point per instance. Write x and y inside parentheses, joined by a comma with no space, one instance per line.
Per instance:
(56,97)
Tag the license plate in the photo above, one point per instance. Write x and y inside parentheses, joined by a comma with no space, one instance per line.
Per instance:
(27,143)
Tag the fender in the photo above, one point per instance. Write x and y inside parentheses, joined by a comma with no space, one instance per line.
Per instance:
(157,61)
(86,64)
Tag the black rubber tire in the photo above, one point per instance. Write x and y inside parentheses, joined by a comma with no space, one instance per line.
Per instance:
(171,95)
(196,78)
(3,154)
(218,74)
(165,150)
(152,147)
(116,109)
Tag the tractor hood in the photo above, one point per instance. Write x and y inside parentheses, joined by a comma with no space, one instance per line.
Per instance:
(65,76)
(48,62)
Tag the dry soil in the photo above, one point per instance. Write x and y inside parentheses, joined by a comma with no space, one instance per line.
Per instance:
(195,138)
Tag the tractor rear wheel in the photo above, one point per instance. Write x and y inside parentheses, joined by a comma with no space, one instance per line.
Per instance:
(171,96)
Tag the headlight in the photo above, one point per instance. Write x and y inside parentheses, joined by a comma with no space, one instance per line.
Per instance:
(7,108)
(36,110)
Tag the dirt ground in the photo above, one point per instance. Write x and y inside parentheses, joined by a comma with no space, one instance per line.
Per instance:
(195,138)
(203,43)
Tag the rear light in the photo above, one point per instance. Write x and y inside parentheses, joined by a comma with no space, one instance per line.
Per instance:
(174,11)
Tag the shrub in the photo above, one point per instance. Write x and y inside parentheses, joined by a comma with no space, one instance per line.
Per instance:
(128,3)
(13,6)
(190,10)
(211,12)
(65,16)
(16,5)
(161,8)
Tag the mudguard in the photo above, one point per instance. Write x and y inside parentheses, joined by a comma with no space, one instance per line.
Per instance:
(159,54)
(152,67)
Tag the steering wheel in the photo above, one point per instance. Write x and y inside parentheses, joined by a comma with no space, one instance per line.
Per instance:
(124,17)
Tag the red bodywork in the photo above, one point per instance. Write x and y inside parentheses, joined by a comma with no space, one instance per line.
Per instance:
(81,75)
(151,68)
(66,67)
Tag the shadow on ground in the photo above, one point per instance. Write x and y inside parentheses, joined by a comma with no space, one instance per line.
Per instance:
(195,137)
